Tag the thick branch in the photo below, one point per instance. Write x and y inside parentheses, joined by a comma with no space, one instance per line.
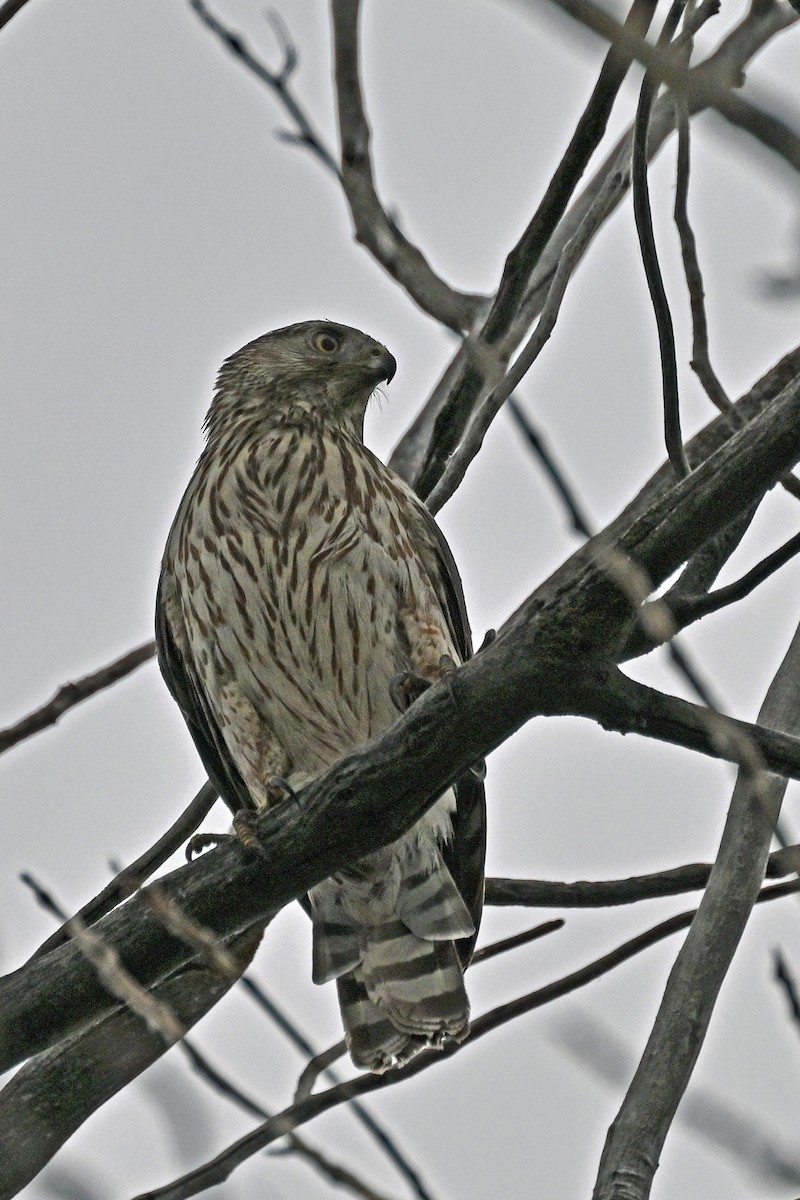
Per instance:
(51,1097)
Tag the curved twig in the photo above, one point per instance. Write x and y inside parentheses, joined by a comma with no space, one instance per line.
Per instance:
(70,694)
(374,228)
(141,869)
(652,269)
(384,1139)
(278,81)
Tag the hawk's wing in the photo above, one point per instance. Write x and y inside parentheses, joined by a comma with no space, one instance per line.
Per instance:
(185,688)
(465,853)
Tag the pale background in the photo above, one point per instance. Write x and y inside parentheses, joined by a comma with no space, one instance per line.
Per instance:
(151,224)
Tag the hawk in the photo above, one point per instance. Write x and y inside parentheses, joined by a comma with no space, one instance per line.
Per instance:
(300,580)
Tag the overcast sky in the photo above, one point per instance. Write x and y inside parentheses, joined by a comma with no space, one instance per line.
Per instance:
(153,223)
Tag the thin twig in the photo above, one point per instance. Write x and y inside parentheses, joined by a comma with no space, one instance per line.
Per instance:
(600,893)
(678,656)
(374,227)
(120,886)
(70,694)
(690,608)
(554,473)
(220,1168)
(278,81)
(333,1172)
(488,408)
(385,1140)
(787,981)
(320,1064)
(516,940)
(652,269)
(111,972)
(700,361)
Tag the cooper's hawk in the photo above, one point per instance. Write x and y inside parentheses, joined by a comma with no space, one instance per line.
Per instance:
(301,577)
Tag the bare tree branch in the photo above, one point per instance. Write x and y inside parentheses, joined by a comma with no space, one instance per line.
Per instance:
(703,1113)
(335,1173)
(423,451)
(70,694)
(486,410)
(9,10)
(52,1095)
(373,226)
(385,1140)
(687,609)
(578,520)
(541,893)
(142,868)
(588,134)
(787,981)
(634,1142)
(700,362)
(484,953)
(773,133)
(114,978)
(445,418)
(652,269)
(278,81)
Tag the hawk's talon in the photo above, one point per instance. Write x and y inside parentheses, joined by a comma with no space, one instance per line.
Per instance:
(478,770)
(406,687)
(447,665)
(277,790)
(204,841)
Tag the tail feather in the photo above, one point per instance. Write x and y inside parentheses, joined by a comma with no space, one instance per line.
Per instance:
(431,906)
(336,944)
(389,940)
(418,984)
(375,1044)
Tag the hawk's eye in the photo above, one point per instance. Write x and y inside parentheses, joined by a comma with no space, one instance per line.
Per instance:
(326,342)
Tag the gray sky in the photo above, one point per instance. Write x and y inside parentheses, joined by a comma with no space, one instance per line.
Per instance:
(153,224)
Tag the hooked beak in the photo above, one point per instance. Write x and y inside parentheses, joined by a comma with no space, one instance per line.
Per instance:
(384,363)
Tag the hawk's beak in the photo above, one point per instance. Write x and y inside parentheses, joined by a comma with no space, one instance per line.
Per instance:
(385,364)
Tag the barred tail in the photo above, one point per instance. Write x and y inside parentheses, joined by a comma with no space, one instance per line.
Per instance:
(390,944)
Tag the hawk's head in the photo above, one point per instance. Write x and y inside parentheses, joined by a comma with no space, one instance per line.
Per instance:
(315,370)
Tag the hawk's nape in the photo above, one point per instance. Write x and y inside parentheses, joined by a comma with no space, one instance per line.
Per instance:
(300,577)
